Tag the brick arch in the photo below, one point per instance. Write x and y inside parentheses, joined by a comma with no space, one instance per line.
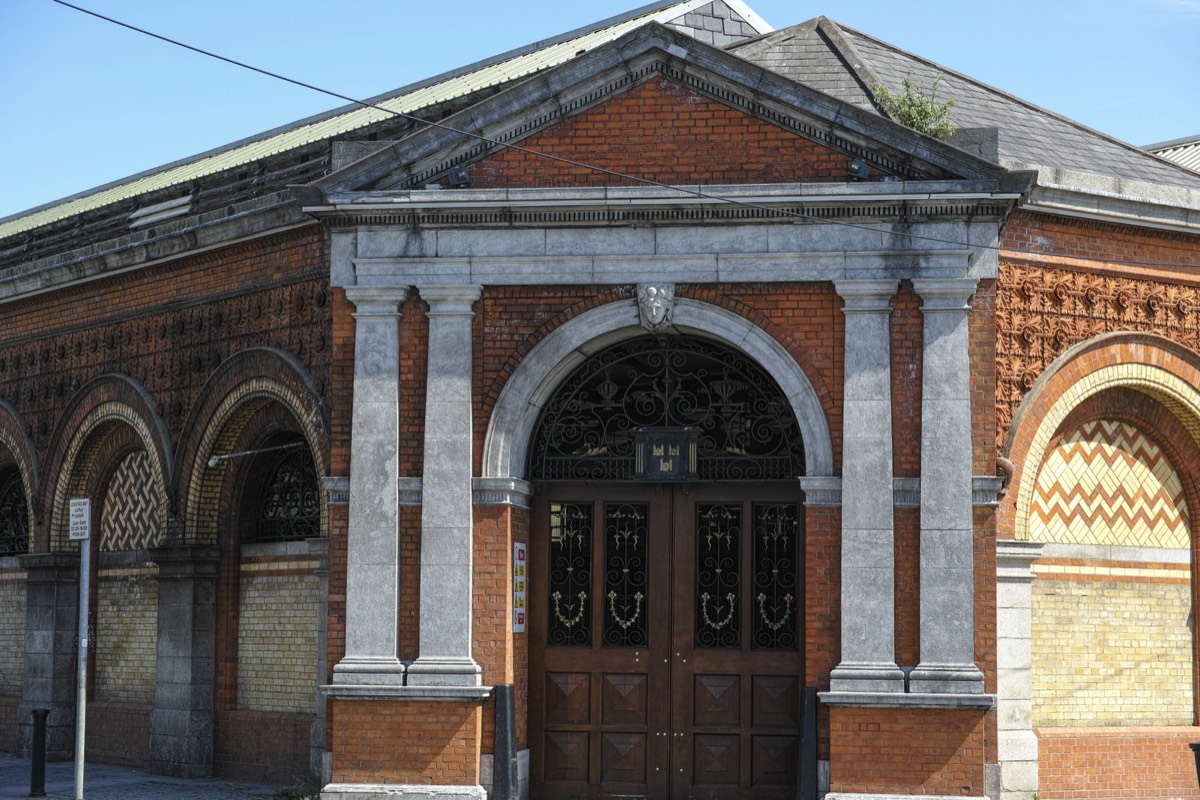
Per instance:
(14,438)
(534,380)
(1150,365)
(244,385)
(108,418)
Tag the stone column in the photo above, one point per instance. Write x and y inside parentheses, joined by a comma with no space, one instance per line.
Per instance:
(947,522)
(372,577)
(447,535)
(181,724)
(51,626)
(868,564)
(1017,745)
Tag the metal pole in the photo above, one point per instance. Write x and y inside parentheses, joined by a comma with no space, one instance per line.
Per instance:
(37,776)
(85,574)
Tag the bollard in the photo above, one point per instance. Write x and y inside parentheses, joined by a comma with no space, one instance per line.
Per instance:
(1196,752)
(37,776)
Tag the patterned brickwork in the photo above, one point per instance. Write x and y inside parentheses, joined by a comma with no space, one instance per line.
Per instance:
(1107,483)
(277,637)
(1106,764)
(126,634)
(131,512)
(12,631)
(1112,645)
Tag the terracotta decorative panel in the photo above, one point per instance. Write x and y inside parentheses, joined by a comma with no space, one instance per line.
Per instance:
(1106,483)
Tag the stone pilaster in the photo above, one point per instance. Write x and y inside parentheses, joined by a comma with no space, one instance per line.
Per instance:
(181,724)
(51,626)
(444,657)
(1017,745)
(947,524)
(372,582)
(868,564)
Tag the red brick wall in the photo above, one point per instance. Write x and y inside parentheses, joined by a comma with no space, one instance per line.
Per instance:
(262,746)
(1104,763)
(118,733)
(908,750)
(405,742)
(669,134)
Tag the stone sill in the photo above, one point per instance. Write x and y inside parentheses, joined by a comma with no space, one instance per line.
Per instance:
(345,691)
(910,700)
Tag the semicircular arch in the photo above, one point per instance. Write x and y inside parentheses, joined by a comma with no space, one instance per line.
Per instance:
(1151,365)
(101,407)
(234,394)
(14,437)
(535,379)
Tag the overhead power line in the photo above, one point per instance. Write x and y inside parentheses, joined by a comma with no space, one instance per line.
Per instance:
(697,193)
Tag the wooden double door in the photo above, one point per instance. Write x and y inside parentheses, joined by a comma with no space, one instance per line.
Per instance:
(666,641)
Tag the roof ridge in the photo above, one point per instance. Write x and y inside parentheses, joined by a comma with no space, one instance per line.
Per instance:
(832,32)
(1018,100)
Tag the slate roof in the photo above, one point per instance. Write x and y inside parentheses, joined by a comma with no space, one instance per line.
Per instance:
(1184,151)
(717,22)
(846,63)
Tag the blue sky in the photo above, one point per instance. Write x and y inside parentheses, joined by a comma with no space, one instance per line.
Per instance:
(83,102)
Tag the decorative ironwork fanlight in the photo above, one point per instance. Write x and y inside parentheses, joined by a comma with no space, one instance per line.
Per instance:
(697,391)
(14,515)
(290,505)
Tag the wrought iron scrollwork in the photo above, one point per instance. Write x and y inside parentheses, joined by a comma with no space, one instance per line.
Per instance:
(14,515)
(746,427)
(776,534)
(626,541)
(570,574)
(290,505)
(718,575)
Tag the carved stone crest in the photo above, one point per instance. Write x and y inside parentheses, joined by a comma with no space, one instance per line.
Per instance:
(656,302)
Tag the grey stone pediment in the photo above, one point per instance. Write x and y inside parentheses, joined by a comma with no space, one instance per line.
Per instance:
(430,154)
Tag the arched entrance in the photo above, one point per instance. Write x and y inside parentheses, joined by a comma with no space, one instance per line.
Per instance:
(666,596)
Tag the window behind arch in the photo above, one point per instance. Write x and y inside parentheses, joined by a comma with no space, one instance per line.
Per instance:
(14,514)
(289,505)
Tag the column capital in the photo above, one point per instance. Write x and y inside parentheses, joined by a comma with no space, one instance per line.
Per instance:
(866,296)
(945,294)
(450,300)
(377,300)
(1014,559)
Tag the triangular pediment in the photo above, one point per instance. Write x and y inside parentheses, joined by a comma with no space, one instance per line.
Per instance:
(660,106)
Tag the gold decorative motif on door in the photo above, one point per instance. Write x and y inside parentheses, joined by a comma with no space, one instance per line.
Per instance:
(666,641)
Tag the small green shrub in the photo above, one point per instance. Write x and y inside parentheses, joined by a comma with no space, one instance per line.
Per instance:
(916,109)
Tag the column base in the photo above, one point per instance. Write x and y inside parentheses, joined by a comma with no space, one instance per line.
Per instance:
(369,671)
(946,679)
(444,672)
(384,791)
(874,678)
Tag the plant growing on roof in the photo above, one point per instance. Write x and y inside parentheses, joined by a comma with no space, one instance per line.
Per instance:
(917,109)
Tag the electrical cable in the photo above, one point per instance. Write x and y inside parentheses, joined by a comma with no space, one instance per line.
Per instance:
(571,162)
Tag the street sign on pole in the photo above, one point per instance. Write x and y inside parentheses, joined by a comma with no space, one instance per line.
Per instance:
(81,531)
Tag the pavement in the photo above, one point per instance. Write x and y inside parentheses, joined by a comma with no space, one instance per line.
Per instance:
(106,782)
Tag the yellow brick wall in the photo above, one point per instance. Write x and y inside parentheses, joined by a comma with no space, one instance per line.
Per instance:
(1110,652)
(277,641)
(126,634)
(12,632)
